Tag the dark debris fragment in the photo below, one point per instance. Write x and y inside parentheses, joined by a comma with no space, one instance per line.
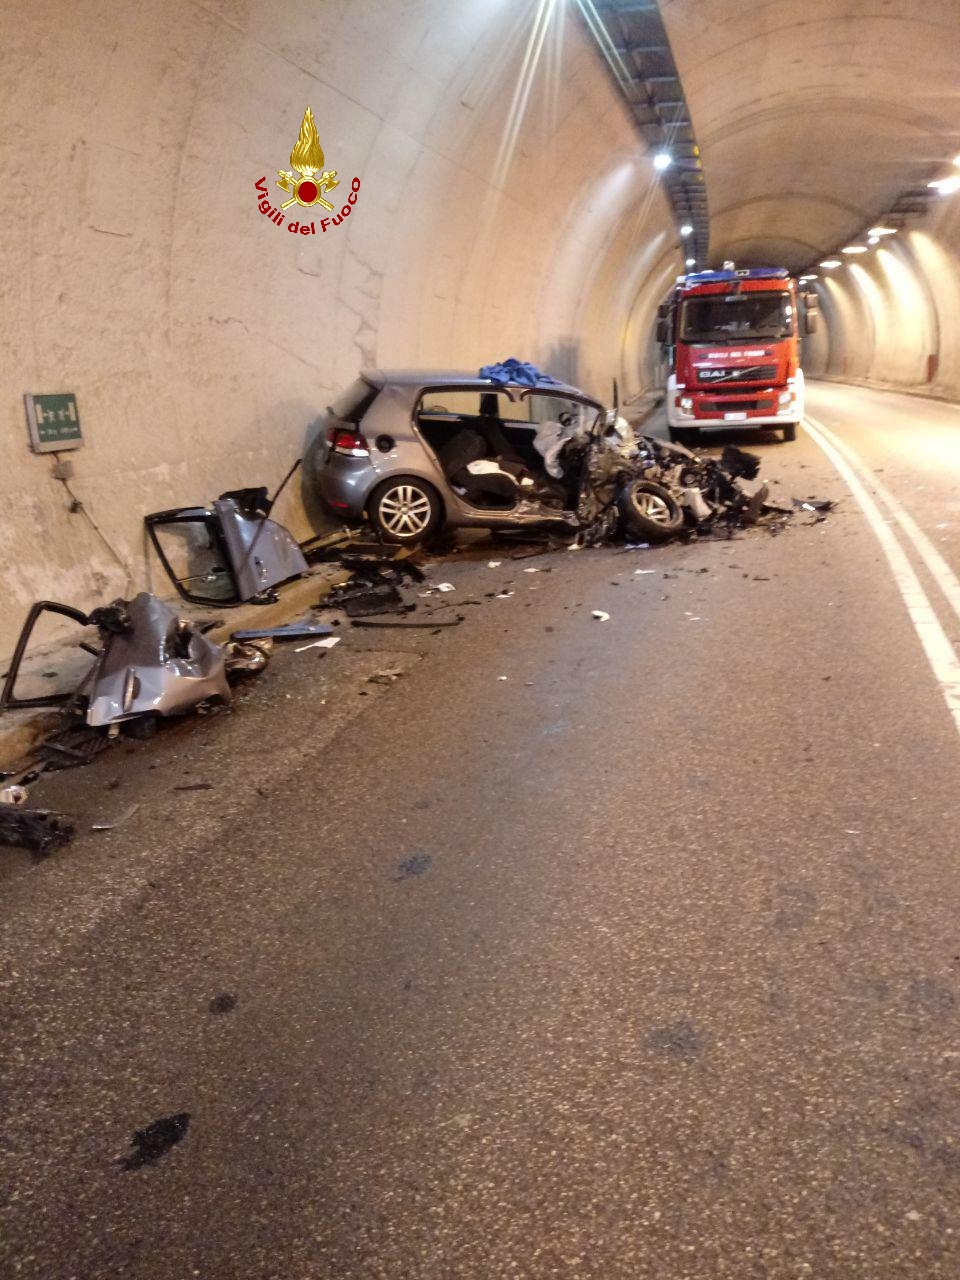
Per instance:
(156,1139)
(40,830)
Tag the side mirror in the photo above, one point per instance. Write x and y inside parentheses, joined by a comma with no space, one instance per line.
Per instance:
(810,321)
(663,331)
(663,311)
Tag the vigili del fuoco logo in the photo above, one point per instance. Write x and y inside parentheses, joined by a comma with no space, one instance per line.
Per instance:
(310,187)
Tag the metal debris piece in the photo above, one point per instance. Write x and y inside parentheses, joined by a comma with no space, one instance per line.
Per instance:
(150,662)
(408,626)
(289,631)
(246,657)
(227,553)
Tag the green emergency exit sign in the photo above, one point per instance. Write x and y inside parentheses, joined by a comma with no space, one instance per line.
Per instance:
(53,422)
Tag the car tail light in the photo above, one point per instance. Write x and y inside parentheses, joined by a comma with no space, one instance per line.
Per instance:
(351,443)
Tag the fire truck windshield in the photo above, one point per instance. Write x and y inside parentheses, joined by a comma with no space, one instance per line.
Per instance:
(736,317)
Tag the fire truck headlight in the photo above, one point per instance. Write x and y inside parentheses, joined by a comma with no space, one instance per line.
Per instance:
(686,404)
(786,397)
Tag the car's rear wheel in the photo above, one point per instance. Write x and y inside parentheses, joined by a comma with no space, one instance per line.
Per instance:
(405,510)
(649,511)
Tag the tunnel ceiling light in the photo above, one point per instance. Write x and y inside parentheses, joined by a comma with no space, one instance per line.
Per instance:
(808,279)
(854,248)
(873,240)
(830,263)
(662,160)
(686,229)
(946,186)
(882,231)
(691,262)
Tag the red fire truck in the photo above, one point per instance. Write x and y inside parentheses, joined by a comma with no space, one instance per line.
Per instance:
(732,341)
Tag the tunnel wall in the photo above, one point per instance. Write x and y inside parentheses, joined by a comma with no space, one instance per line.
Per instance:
(500,212)
(892,316)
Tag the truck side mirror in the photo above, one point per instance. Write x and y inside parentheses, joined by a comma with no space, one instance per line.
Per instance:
(663,332)
(810,321)
(663,311)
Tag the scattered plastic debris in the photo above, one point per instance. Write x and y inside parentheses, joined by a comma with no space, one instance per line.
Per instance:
(326,643)
(494,564)
(118,821)
(600,615)
(14,795)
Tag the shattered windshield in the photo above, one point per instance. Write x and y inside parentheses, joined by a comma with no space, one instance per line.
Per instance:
(736,317)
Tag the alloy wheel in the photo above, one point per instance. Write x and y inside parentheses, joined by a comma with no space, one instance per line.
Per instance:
(653,507)
(405,511)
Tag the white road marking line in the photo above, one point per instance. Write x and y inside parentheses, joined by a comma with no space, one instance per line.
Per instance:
(940,571)
(933,638)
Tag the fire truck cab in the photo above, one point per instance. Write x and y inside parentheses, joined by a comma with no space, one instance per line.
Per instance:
(732,341)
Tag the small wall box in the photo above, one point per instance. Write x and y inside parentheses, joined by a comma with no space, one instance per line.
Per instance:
(53,422)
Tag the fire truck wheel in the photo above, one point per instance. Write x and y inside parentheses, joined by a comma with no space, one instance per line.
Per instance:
(649,511)
(789,431)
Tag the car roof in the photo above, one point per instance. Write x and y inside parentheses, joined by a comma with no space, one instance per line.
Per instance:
(470,381)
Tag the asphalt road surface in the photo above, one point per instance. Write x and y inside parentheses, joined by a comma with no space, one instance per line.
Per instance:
(624,949)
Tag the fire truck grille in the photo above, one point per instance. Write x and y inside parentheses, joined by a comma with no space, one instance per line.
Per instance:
(737,406)
(748,373)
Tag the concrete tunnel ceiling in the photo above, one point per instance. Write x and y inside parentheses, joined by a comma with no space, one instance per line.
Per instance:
(813,120)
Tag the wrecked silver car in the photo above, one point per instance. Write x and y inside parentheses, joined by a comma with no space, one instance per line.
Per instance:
(416,452)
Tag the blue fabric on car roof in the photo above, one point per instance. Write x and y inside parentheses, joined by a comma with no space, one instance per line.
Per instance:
(517,372)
